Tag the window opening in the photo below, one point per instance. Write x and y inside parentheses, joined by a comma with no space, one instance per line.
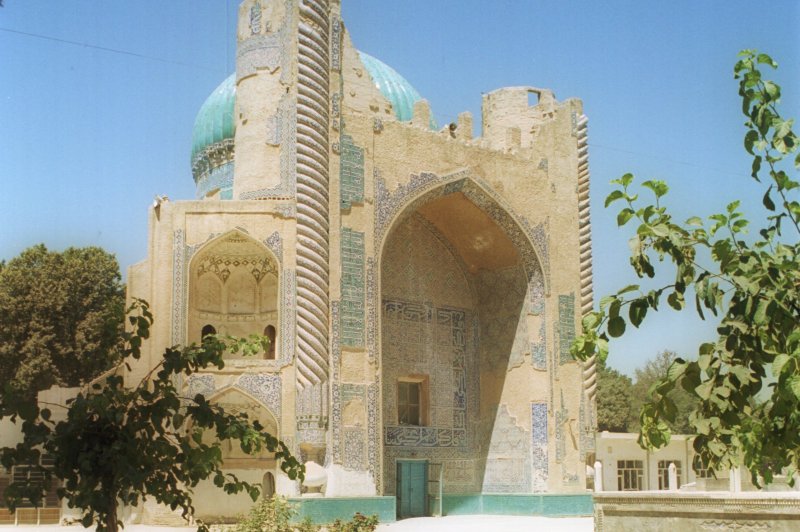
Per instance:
(269,332)
(630,475)
(409,403)
(207,330)
(268,485)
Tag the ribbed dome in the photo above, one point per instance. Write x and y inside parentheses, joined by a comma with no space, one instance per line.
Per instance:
(214,122)
(394,87)
(215,127)
(212,142)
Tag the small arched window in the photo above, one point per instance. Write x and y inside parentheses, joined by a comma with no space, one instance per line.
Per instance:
(268,485)
(207,330)
(269,332)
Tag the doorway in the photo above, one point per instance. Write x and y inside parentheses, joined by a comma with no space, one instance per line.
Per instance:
(412,488)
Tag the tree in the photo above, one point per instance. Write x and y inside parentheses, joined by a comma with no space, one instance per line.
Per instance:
(614,397)
(647,376)
(120,445)
(752,284)
(61,315)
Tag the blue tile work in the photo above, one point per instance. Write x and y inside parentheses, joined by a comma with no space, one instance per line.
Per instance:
(352,304)
(288,316)
(220,178)
(562,418)
(351,172)
(374,433)
(354,448)
(274,243)
(178,288)
(566,327)
(326,510)
(336,42)
(336,387)
(265,388)
(518,504)
(399,436)
(540,460)
(407,329)
(200,384)
(450,326)
(537,293)
(311,413)
(539,348)
(372,314)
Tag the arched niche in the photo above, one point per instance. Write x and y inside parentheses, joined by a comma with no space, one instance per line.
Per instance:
(233,287)
(235,401)
(461,295)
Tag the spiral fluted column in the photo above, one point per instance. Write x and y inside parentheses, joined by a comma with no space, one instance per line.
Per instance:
(312,193)
(585,240)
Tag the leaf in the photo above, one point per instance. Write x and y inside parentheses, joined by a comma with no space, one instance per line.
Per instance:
(676,369)
(614,196)
(659,188)
(749,140)
(616,327)
(675,300)
(778,364)
(624,215)
(695,221)
(794,385)
(629,288)
(767,201)
(703,391)
(756,167)
(760,316)
(765,59)
(637,311)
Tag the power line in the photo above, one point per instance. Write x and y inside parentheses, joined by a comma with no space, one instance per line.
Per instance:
(103,48)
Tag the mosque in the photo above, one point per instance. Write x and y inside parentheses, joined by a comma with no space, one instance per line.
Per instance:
(421,285)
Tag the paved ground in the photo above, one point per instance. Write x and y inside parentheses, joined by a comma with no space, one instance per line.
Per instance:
(453,523)
(491,523)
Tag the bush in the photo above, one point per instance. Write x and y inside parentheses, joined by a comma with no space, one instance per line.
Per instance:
(272,514)
(359,523)
(275,515)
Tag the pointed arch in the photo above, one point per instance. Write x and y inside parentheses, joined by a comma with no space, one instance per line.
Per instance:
(394,208)
(233,285)
(236,400)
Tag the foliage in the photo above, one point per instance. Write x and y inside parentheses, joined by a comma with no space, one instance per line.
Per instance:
(271,514)
(120,445)
(359,523)
(61,315)
(752,286)
(275,514)
(614,398)
(648,376)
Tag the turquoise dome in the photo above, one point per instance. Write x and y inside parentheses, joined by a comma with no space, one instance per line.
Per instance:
(215,127)
(394,87)
(214,122)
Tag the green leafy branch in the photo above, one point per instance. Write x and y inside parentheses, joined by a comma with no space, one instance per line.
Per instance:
(121,445)
(752,287)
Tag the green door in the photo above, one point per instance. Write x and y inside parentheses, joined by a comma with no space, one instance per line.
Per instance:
(412,488)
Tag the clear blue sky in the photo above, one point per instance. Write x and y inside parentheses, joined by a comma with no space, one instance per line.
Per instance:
(93,130)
